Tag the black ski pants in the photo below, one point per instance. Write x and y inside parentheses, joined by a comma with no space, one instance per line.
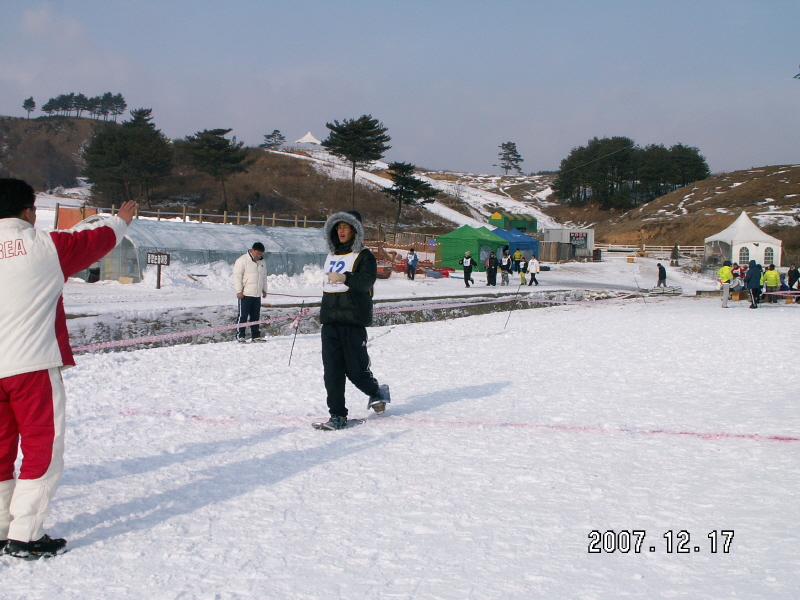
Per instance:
(344,356)
(249,310)
(491,276)
(468,276)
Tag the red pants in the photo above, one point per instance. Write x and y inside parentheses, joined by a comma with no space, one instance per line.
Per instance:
(31,419)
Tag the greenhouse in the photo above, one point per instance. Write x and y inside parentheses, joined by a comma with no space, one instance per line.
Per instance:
(287,249)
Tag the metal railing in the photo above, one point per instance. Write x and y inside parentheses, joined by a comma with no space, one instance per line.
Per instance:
(648,248)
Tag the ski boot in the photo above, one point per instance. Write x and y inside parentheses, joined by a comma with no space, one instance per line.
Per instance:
(379,401)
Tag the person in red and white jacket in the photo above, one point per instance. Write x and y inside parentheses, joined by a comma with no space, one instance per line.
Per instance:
(34,347)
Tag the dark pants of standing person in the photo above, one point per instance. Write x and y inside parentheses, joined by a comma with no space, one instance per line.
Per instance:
(772,298)
(491,276)
(533,279)
(344,356)
(410,272)
(755,297)
(468,276)
(249,310)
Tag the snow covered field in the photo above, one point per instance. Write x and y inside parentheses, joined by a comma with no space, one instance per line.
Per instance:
(192,471)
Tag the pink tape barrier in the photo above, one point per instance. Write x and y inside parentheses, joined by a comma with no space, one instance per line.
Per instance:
(306,313)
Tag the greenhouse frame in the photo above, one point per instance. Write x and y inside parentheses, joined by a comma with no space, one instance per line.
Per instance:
(287,249)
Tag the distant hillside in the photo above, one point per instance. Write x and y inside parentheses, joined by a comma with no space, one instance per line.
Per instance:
(46,151)
(770,195)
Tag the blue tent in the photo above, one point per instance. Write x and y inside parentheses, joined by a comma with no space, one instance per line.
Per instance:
(518,240)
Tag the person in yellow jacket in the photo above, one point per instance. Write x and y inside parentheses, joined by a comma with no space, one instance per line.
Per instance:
(517,257)
(772,279)
(725,276)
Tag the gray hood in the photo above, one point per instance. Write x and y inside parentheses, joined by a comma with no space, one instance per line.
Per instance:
(330,231)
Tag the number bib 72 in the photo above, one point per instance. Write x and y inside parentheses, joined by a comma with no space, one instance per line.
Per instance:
(338,263)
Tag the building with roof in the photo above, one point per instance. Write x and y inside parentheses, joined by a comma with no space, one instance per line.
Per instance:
(308,139)
(507,220)
(741,242)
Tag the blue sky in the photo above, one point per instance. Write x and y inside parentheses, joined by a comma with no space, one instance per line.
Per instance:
(452,80)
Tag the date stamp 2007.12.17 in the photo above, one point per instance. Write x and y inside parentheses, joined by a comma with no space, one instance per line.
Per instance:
(625,541)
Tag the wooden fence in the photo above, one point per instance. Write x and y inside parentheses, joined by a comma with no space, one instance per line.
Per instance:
(208,217)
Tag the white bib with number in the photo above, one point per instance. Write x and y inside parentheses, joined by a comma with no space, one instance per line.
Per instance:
(338,263)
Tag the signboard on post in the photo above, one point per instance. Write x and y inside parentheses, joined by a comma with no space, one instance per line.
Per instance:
(158,259)
(578,239)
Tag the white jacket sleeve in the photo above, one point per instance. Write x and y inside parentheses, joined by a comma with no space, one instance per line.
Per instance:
(238,275)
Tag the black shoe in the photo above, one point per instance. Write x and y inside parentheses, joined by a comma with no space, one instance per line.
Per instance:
(43,547)
(3,544)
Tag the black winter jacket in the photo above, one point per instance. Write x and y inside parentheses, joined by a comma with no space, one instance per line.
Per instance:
(353,307)
(752,280)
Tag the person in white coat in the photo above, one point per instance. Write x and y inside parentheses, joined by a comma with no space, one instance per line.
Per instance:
(250,283)
(34,348)
(533,269)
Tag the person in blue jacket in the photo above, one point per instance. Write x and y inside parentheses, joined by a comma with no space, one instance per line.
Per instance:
(752,281)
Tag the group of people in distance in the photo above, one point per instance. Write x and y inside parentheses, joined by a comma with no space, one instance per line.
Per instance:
(506,264)
(754,278)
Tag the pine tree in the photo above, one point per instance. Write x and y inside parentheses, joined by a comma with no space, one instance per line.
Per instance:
(210,152)
(49,107)
(119,159)
(509,157)
(359,142)
(81,104)
(29,105)
(118,106)
(273,141)
(407,189)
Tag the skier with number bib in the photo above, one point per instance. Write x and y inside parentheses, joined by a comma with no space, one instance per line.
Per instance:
(345,313)
(505,267)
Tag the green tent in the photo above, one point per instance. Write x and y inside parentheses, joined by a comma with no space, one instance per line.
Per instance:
(478,241)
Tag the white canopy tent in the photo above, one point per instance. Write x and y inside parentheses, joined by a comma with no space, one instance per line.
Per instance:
(742,242)
(308,139)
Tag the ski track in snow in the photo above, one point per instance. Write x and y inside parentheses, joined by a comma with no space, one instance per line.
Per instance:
(192,471)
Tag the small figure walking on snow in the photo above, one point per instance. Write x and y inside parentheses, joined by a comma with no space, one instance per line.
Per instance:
(662,276)
(533,269)
(468,262)
(491,269)
(523,268)
(411,264)
(505,267)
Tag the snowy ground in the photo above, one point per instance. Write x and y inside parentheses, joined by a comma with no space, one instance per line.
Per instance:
(192,471)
